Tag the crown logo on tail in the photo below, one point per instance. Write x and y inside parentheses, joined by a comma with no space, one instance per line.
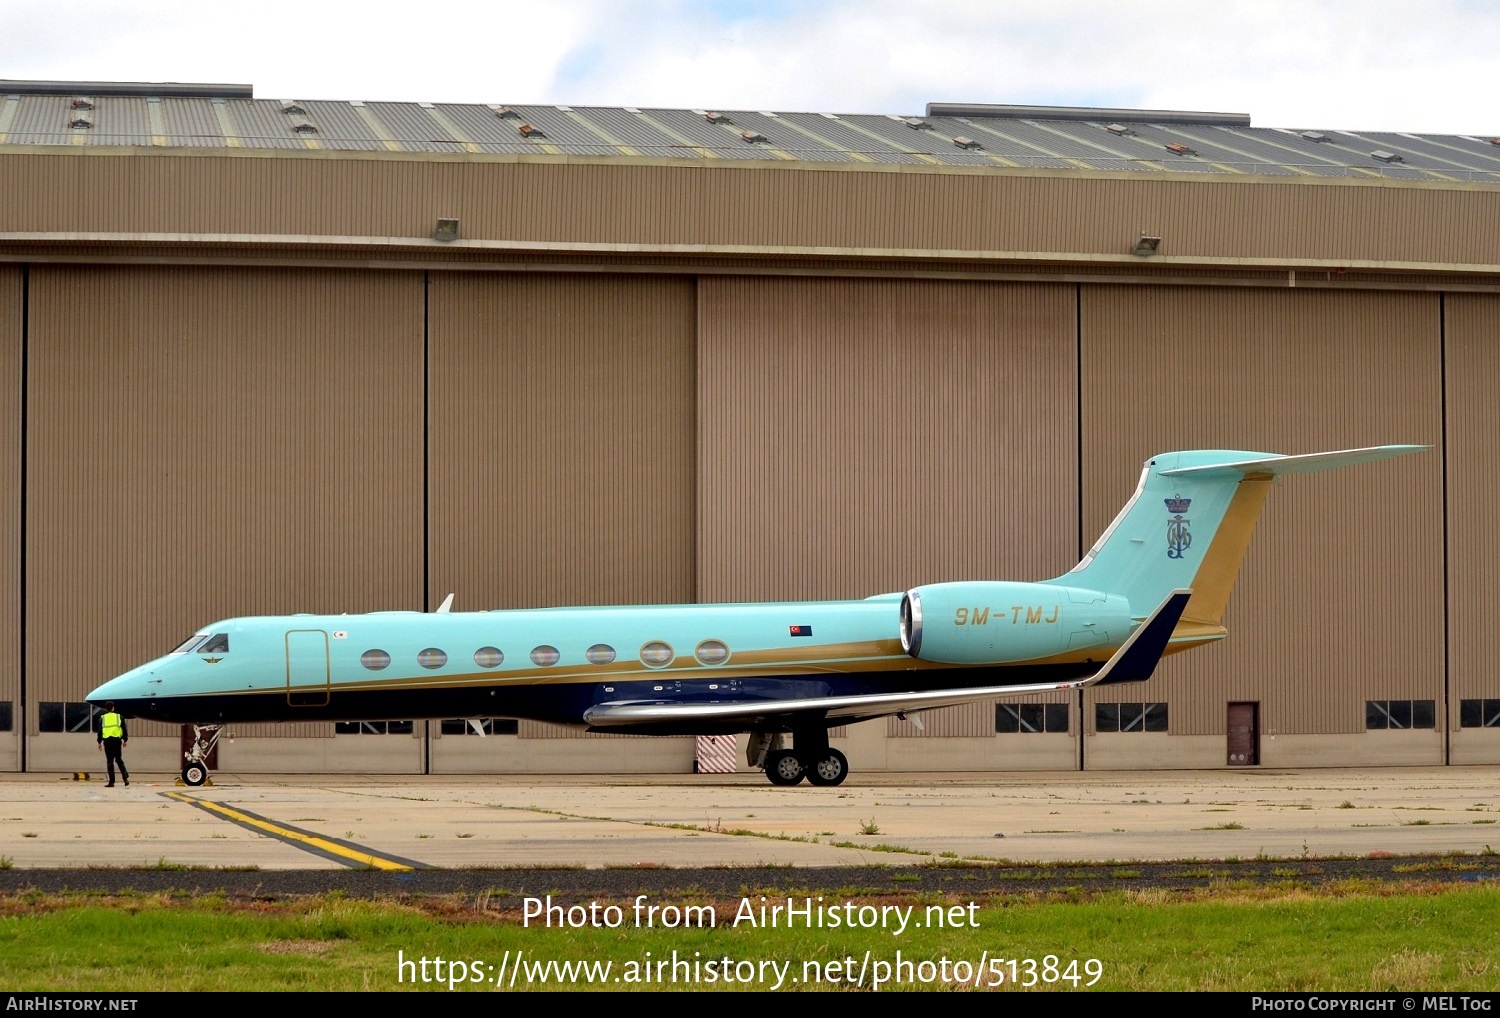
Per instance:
(1179,533)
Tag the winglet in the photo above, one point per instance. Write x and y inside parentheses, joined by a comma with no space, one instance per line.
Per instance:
(446,606)
(1137,657)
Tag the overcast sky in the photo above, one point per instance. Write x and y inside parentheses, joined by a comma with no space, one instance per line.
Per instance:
(1416,65)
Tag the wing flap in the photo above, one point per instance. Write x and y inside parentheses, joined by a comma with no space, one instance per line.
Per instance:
(1133,662)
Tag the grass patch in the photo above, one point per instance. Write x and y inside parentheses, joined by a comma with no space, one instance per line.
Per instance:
(1231,826)
(1415,937)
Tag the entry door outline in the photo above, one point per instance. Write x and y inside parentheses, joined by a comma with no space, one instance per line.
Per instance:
(308,674)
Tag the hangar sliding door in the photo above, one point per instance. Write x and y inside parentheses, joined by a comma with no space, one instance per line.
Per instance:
(864,436)
(205,443)
(11,330)
(1472,351)
(561,438)
(1340,601)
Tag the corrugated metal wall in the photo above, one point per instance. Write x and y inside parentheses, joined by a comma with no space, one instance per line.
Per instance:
(204,443)
(1341,596)
(1473,368)
(561,440)
(11,327)
(622,201)
(857,437)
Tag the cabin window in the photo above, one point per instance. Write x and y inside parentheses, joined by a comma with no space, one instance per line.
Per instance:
(712,652)
(657,654)
(189,643)
(216,644)
(432,658)
(375,660)
(544,655)
(600,654)
(1476,714)
(488,657)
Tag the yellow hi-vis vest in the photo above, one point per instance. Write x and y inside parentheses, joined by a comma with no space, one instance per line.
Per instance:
(111,726)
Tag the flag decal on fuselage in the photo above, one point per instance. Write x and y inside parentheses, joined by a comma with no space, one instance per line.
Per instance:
(799,630)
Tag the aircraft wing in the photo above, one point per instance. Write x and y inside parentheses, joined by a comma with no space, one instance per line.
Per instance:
(1133,662)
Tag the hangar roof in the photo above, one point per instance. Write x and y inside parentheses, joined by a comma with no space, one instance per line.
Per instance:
(172,116)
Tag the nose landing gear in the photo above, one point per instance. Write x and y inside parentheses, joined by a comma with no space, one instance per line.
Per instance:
(205,738)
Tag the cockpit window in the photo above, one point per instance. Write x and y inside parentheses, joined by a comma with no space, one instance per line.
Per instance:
(217,644)
(190,643)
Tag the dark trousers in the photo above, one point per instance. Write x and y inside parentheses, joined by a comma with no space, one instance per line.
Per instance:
(111,757)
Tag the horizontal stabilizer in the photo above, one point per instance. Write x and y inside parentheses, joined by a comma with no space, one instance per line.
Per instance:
(1133,662)
(1304,464)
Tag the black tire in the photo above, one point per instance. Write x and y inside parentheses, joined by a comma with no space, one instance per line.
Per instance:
(831,770)
(783,767)
(194,774)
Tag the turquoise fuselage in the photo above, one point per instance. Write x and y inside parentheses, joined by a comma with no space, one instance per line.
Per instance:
(553,664)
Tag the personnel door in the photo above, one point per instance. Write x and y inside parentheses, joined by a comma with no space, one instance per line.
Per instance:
(307,671)
(1244,734)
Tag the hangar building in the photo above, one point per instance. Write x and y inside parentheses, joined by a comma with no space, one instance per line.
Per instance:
(265,356)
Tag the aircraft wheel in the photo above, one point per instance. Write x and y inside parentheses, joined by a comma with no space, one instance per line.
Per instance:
(830,770)
(783,767)
(194,774)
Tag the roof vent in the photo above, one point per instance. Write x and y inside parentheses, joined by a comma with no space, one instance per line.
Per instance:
(916,123)
(713,117)
(1180,148)
(506,113)
(80,119)
(427,106)
(1385,157)
(82,102)
(969,143)
(752,136)
(301,124)
(527,131)
(291,106)
(1119,129)
(1315,136)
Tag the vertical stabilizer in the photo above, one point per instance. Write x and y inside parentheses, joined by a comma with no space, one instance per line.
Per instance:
(1189,524)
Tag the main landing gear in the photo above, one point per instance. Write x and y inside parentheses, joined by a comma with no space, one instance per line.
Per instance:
(813,759)
(205,738)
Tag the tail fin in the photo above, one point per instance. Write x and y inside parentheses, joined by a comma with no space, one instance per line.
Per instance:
(1188,525)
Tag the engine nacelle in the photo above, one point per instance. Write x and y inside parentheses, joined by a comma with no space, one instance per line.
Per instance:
(995,623)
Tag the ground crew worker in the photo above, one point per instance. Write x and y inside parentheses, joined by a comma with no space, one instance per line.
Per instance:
(112,738)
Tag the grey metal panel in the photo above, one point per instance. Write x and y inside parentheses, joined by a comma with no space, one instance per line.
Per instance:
(859,437)
(205,443)
(1417,153)
(638,133)
(341,127)
(1472,348)
(840,134)
(120,121)
(414,130)
(192,124)
(263,125)
(711,136)
(937,143)
(1341,597)
(561,430)
(41,120)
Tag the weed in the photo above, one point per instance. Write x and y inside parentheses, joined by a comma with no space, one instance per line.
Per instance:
(28,834)
(7,863)
(865,827)
(1346,804)
(1231,826)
